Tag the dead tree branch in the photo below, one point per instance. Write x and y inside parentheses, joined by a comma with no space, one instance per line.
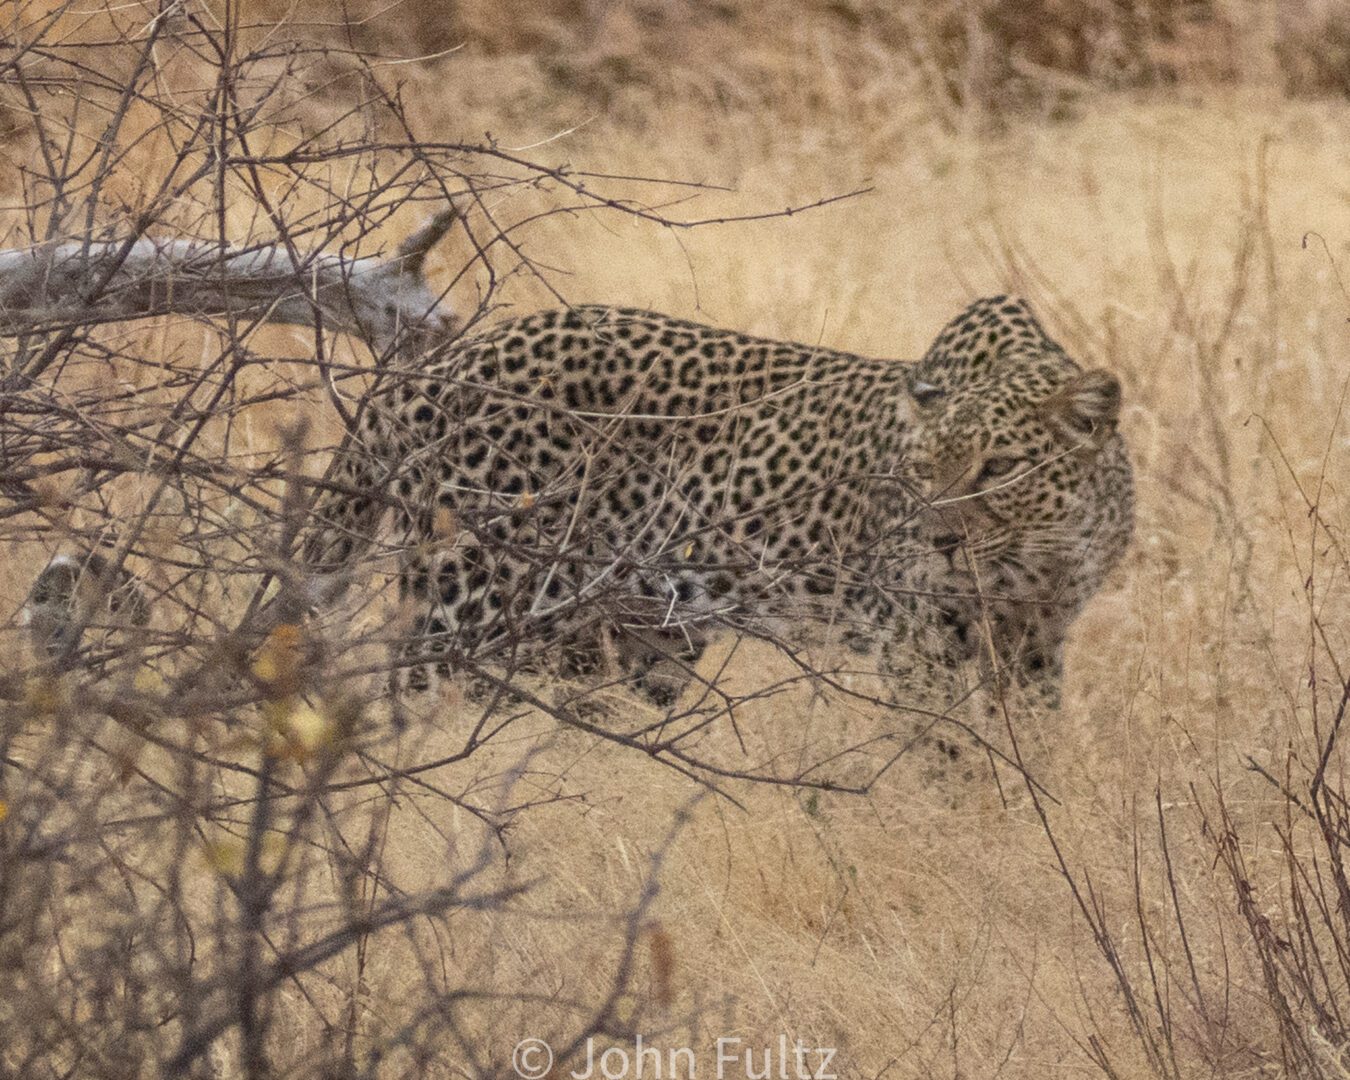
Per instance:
(55,285)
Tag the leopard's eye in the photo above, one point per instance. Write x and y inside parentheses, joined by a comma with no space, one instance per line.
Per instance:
(995,468)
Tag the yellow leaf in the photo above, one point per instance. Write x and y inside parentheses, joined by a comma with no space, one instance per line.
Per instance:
(45,694)
(4,810)
(300,729)
(228,856)
(526,500)
(277,664)
(265,667)
(689,550)
(224,856)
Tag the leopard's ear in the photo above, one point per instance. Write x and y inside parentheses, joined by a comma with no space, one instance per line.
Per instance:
(985,331)
(1086,409)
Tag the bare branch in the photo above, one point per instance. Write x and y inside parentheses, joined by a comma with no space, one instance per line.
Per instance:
(49,285)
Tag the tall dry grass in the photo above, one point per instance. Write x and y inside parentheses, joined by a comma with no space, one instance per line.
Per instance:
(1147,917)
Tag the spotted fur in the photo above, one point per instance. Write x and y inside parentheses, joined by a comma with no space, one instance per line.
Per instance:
(74,594)
(602,470)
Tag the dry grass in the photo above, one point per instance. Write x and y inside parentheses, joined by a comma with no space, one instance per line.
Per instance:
(1193,241)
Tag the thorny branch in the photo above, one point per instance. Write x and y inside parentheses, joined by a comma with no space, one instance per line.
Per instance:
(197,801)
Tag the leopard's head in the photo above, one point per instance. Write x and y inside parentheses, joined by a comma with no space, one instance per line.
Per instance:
(1030,488)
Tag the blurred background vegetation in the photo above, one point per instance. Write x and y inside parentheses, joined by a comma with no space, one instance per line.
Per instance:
(1167,184)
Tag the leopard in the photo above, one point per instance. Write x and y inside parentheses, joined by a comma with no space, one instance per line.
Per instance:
(585,476)
(597,473)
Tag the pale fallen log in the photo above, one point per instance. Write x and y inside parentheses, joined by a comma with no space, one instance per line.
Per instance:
(72,283)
